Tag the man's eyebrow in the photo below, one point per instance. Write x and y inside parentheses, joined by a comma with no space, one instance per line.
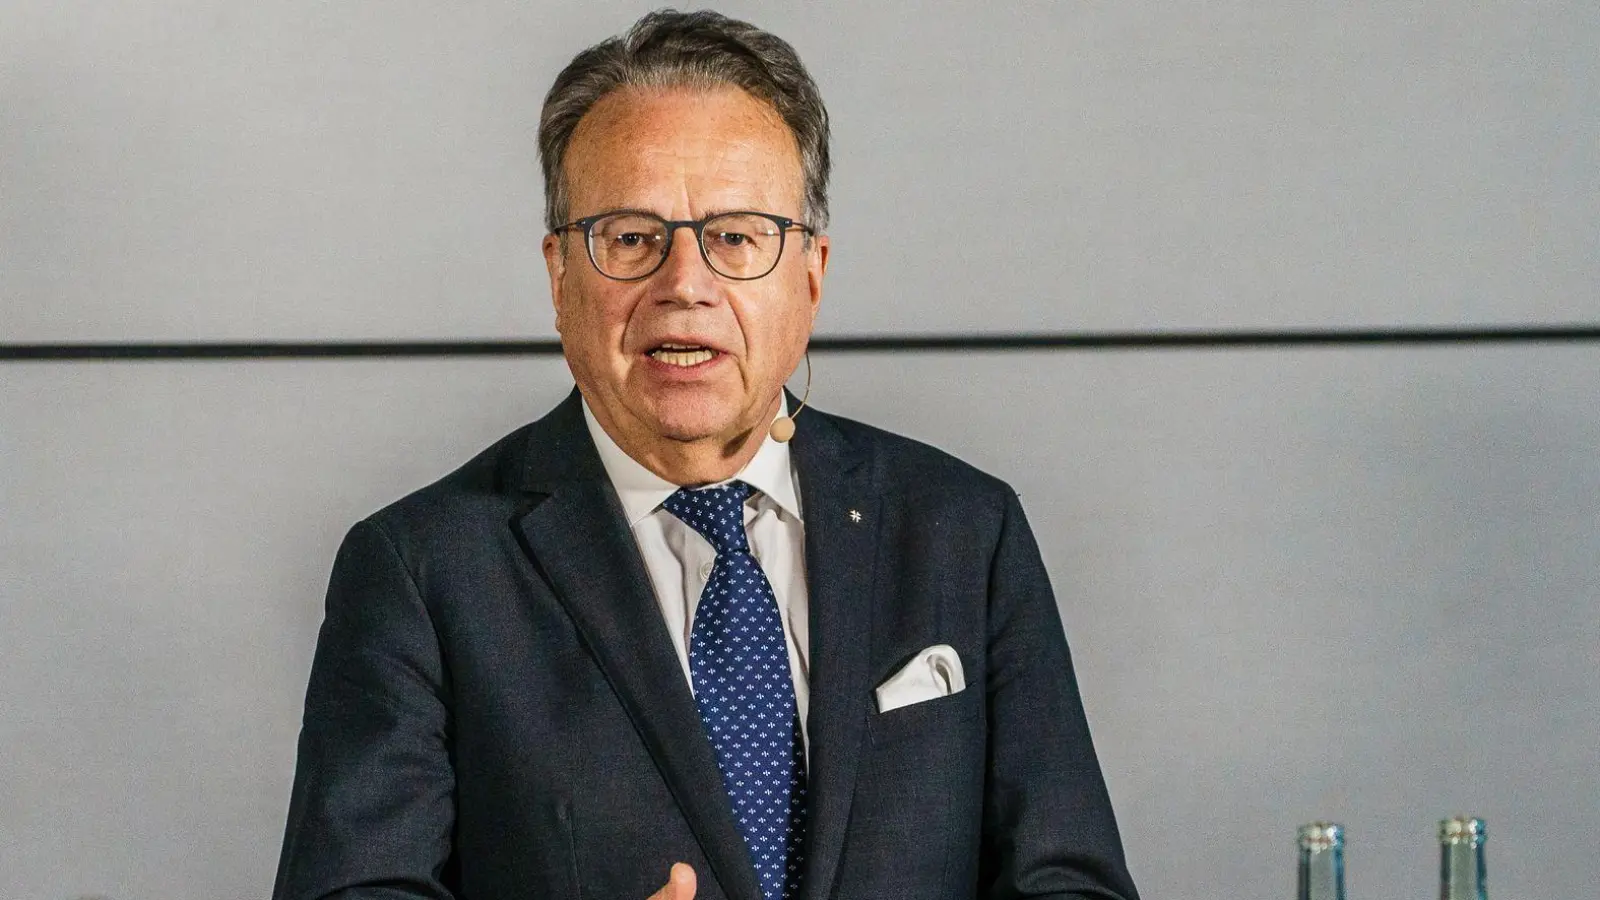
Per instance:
(613,210)
(708,214)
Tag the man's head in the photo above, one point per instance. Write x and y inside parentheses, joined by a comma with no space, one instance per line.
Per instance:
(684,117)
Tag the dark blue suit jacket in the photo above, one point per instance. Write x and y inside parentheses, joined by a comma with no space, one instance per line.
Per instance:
(495,710)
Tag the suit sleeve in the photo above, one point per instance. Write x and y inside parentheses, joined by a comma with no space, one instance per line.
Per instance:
(1048,828)
(372,809)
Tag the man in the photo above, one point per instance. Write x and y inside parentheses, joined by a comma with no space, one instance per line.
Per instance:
(640,647)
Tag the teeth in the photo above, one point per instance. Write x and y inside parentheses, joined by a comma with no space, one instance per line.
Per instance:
(674,357)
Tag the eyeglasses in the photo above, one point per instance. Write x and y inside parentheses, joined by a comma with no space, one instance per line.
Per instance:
(627,245)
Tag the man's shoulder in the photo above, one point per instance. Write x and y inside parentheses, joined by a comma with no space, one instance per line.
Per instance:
(484,488)
(496,481)
(911,468)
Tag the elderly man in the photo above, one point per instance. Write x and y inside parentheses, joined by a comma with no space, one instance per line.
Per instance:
(646,646)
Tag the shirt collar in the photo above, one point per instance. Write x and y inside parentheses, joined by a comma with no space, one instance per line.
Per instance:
(642,491)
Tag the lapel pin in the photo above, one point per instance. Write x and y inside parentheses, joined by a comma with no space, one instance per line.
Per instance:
(855,516)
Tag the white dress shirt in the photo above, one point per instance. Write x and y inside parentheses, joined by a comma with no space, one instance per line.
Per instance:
(679,560)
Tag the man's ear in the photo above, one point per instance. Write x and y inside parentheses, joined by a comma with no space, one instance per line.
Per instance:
(816,268)
(555,262)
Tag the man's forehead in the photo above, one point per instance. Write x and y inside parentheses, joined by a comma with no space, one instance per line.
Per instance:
(648,140)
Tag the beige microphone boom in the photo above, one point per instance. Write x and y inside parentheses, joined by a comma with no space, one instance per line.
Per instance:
(783,426)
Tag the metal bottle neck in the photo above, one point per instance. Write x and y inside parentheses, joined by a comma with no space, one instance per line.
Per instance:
(1321,875)
(1461,862)
(1461,872)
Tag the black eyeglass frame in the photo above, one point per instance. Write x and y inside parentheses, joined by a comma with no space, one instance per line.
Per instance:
(698,226)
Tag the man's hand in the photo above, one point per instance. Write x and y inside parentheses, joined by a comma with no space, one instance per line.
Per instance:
(679,886)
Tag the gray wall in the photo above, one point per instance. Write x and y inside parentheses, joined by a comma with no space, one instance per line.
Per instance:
(1347,583)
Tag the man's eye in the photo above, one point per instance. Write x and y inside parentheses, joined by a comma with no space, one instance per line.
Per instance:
(733,238)
(630,239)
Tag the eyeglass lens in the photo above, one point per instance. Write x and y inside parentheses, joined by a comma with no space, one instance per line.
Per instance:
(738,245)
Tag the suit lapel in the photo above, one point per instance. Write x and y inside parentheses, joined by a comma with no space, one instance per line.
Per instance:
(578,536)
(842,515)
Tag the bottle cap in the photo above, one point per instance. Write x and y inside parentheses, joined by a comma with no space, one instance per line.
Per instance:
(1320,836)
(1462,830)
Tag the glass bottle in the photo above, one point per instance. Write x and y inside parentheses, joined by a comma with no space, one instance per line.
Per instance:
(1321,861)
(1461,859)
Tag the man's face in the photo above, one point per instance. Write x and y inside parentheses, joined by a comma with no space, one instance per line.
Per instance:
(683,154)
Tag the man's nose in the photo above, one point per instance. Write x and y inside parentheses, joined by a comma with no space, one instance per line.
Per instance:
(684,278)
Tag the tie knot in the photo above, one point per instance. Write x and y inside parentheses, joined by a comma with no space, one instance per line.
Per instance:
(717,513)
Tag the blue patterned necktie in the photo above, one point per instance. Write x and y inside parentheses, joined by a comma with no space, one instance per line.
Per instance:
(739,664)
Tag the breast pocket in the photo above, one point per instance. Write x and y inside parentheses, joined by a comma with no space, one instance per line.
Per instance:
(949,719)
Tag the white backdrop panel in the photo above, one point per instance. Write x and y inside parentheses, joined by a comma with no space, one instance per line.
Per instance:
(1346,584)
(209,170)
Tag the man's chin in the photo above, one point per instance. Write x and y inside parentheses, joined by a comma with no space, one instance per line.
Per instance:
(697,425)
(694,432)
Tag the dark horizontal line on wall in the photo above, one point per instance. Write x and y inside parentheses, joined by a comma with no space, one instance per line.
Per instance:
(1133,340)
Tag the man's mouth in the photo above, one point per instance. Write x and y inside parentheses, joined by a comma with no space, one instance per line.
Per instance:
(683,355)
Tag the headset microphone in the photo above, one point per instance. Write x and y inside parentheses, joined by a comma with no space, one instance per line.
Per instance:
(783,426)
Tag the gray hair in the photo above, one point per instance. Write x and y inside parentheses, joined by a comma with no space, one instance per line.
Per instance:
(701,49)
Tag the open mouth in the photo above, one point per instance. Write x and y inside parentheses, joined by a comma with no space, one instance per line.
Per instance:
(682,355)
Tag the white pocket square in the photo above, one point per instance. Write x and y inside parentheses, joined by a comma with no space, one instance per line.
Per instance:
(936,672)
